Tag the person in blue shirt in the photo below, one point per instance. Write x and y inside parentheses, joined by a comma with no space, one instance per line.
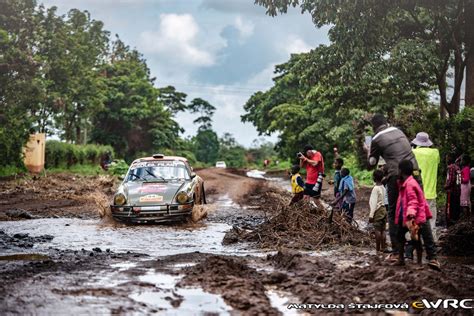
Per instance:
(338,164)
(347,194)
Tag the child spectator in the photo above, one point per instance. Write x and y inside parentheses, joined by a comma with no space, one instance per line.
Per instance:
(347,194)
(465,184)
(378,212)
(412,214)
(453,190)
(297,185)
(338,163)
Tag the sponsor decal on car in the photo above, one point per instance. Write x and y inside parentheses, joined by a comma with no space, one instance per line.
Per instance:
(145,164)
(151,198)
(152,188)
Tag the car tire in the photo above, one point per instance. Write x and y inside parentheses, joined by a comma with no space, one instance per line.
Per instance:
(203,195)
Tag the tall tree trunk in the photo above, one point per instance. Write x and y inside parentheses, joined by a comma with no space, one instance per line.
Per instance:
(458,77)
(78,134)
(469,40)
(443,102)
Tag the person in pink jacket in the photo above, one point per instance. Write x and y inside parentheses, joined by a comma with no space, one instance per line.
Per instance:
(412,213)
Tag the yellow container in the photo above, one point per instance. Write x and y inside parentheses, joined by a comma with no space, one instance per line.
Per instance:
(34,152)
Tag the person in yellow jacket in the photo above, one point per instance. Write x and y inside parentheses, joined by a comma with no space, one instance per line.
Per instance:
(428,161)
(297,184)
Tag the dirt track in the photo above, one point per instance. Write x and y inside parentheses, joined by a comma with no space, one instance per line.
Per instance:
(67,259)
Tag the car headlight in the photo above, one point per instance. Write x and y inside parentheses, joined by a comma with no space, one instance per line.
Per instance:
(182,197)
(120,199)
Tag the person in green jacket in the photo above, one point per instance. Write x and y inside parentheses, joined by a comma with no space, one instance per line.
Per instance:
(428,161)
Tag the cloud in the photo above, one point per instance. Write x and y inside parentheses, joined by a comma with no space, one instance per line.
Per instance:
(233,6)
(245,28)
(176,40)
(295,45)
(263,79)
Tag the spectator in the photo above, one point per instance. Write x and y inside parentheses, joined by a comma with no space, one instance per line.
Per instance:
(346,194)
(338,163)
(428,162)
(465,184)
(381,166)
(453,191)
(413,214)
(297,185)
(378,213)
(313,161)
(393,146)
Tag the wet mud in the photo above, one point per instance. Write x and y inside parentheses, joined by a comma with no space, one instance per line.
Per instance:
(56,195)
(75,259)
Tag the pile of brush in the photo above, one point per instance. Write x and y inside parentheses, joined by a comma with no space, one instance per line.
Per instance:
(459,238)
(299,226)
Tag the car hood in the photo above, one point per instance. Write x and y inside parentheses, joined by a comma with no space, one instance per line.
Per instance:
(152,193)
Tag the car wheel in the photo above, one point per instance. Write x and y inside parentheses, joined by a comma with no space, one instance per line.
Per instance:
(203,195)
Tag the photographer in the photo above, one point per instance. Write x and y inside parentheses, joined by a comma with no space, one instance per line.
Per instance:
(313,161)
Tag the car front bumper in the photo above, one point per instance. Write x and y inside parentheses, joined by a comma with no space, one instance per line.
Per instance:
(152,213)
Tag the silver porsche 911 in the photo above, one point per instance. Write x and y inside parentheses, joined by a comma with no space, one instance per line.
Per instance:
(158,189)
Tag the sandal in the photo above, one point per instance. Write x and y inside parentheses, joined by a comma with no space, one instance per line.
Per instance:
(434,264)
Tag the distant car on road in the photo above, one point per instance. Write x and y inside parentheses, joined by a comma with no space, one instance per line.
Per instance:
(158,189)
(221,164)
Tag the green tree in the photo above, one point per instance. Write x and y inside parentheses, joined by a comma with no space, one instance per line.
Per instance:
(318,96)
(205,110)
(364,29)
(173,100)
(18,68)
(206,146)
(81,87)
(134,120)
(231,152)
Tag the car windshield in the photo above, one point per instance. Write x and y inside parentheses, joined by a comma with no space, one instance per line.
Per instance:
(158,171)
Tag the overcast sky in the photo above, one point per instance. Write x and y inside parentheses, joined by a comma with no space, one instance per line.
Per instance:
(220,50)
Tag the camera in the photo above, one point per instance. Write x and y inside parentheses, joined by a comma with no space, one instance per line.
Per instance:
(299,155)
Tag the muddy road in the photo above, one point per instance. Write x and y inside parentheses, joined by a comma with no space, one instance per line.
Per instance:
(62,254)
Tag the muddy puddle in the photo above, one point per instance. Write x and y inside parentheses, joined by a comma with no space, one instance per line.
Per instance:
(154,240)
(186,301)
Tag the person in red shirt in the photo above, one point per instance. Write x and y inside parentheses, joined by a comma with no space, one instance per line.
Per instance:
(313,161)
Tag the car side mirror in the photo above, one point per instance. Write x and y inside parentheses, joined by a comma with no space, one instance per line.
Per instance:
(193,175)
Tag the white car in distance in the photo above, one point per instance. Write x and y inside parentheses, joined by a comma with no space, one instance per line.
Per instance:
(221,164)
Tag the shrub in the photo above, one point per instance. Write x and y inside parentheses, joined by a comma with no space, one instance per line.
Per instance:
(60,154)
(119,168)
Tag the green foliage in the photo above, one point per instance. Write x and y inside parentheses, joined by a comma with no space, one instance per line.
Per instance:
(118,168)
(378,61)
(206,146)
(85,170)
(361,176)
(65,155)
(261,150)
(232,153)
(58,75)
(135,118)
(8,171)
(437,34)
(205,111)
(18,88)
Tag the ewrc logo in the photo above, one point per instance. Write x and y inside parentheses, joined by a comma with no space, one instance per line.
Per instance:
(443,303)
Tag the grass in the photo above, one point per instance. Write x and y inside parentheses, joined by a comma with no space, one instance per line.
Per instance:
(8,171)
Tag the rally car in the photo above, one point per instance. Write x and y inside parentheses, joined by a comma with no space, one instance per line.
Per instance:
(158,189)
